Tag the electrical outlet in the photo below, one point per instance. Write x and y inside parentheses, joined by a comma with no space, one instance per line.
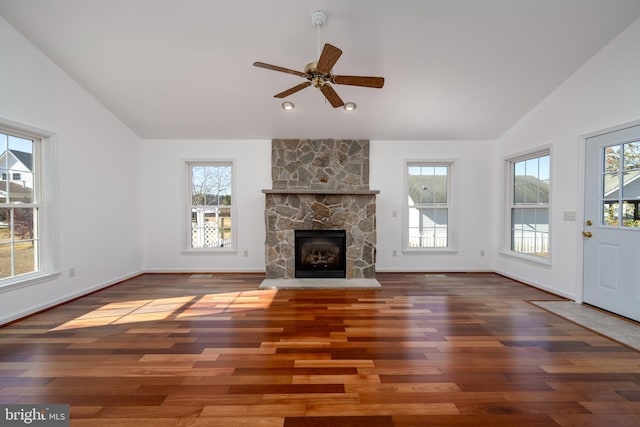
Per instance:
(72,272)
(482,252)
(394,253)
(246,254)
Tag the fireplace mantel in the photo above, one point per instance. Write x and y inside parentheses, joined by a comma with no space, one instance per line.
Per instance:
(322,191)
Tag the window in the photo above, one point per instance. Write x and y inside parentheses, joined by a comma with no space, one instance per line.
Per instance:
(528,209)
(428,214)
(211,220)
(20,206)
(621,169)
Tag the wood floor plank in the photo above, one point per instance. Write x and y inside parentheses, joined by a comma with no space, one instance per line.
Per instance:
(443,350)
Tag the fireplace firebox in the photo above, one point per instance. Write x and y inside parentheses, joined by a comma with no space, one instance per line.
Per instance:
(320,253)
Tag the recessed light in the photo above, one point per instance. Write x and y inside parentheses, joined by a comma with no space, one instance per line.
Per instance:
(349,106)
(288,106)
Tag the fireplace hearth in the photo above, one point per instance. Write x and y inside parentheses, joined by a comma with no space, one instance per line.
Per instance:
(320,253)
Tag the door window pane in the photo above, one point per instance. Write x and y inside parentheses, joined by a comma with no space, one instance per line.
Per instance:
(610,186)
(630,214)
(610,213)
(612,159)
(631,155)
(631,185)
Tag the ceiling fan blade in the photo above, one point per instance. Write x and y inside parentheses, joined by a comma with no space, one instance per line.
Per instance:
(294,89)
(331,96)
(376,82)
(281,69)
(328,58)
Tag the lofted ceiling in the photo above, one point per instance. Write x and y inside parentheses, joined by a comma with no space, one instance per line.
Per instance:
(454,69)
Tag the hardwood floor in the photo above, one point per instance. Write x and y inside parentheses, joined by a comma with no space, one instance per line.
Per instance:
(424,350)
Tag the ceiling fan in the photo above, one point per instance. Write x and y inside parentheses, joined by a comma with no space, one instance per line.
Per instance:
(320,74)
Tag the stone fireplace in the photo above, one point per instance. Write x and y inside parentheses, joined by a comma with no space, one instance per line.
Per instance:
(320,184)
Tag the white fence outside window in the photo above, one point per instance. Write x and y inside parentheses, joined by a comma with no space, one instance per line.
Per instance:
(428,239)
(208,235)
(531,242)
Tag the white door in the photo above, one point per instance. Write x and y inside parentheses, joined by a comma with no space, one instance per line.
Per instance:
(612,222)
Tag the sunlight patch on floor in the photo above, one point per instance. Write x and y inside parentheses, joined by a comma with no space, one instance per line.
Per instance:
(170,308)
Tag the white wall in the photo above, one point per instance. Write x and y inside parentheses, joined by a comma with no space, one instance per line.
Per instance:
(97,204)
(164,203)
(473,204)
(604,93)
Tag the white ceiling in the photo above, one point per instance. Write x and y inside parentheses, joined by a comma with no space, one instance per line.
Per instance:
(454,69)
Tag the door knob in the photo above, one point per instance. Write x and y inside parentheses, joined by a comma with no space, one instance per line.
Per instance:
(587,234)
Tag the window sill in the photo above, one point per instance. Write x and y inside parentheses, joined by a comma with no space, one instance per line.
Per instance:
(29,280)
(424,251)
(212,251)
(539,261)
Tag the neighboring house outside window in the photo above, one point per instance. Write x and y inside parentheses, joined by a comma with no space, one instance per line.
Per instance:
(210,211)
(529,203)
(16,163)
(429,205)
(19,206)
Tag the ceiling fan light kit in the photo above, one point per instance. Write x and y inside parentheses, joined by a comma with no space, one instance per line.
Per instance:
(319,74)
(288,106)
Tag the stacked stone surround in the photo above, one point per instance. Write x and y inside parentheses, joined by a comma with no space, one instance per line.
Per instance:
(322,164)
(320,185)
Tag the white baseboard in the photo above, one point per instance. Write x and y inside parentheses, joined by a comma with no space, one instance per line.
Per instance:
(201,270)
(434,270)
(536,285)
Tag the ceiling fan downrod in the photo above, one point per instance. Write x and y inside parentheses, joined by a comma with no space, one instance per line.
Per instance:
(318,19)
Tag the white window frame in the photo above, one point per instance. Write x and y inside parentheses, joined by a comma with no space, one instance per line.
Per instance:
(44,164)
(451,217)
(510,204)
(187,241)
